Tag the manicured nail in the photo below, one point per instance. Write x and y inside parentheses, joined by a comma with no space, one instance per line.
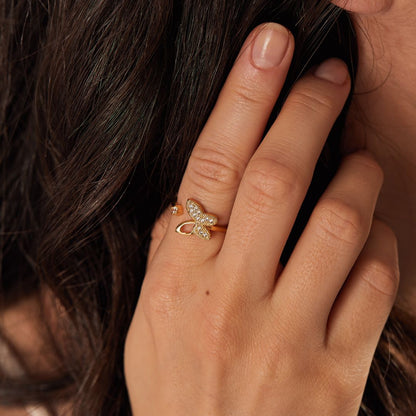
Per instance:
(270,46)
(332,70)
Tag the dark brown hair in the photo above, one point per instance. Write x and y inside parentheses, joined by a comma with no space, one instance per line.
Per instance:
(101,103)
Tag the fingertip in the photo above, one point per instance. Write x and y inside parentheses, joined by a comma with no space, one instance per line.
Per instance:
(270,46)
(333,70)
(368,161)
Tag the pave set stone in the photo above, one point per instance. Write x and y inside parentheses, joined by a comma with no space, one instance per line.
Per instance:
(201,232)
(202,220)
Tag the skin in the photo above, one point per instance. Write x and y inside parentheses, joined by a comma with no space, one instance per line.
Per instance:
(382,119)
(241,348)
(220,327)
(31,340)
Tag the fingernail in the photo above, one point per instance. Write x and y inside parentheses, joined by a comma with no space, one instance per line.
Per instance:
(270,46)
(332,70)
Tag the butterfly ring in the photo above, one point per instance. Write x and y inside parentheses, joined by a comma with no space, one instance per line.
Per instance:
(202,222)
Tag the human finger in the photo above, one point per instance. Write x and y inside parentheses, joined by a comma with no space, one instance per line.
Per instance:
(364,303)
(331,242)
(158,233)
(236,124)
(278,175)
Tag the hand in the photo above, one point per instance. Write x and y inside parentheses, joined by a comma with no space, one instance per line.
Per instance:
(221,328)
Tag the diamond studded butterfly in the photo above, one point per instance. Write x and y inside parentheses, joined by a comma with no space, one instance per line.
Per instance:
(202,221)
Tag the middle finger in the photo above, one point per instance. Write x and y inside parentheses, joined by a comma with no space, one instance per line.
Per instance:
(278,175)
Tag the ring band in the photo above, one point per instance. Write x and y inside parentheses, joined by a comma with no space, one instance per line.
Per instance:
(202,222)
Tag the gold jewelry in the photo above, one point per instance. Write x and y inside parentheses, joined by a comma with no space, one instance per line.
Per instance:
(176,209)
(203,223)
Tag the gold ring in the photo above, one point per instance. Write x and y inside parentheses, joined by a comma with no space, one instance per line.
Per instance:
(202,222)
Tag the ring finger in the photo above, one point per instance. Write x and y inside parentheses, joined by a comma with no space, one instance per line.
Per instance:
(235,127)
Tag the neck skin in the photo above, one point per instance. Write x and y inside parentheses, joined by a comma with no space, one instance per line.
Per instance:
(383,120)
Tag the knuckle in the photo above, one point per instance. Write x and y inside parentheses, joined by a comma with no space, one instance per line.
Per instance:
(382,276)
(343,381)
(216,329)
(163,298)
(339,221)
(159,304)
(344,389)
(269,182)
(286,356)
(212,169)
(250,94)
(311,100)
(221,333)
(282,363)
